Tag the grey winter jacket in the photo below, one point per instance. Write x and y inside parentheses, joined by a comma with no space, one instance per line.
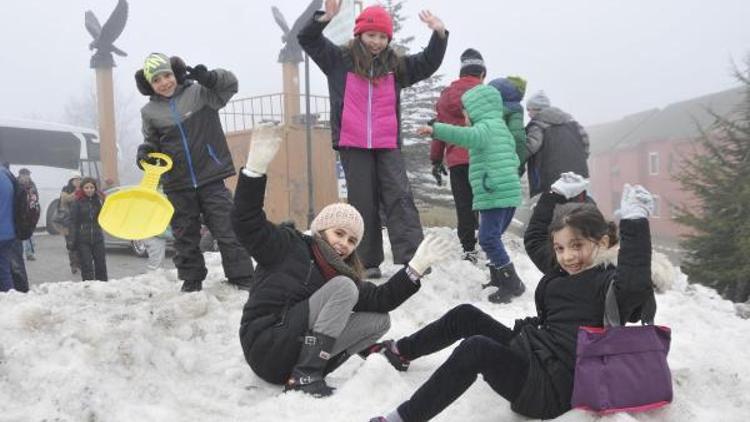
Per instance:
(555,143)
(187,128)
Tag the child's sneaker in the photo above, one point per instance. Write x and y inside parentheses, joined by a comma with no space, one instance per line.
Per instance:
(388,349)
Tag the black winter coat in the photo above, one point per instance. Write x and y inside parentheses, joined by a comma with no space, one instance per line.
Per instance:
(566,302)
(84,219)
(275,317)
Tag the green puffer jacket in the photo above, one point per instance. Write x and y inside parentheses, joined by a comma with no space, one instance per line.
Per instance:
(493,162)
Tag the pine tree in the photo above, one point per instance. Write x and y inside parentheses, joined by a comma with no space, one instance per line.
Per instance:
(718,176)
(417,101)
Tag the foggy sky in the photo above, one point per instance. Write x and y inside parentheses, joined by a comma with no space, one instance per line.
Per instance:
(599,60)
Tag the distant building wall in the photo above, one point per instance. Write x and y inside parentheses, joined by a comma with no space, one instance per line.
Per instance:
(651,164)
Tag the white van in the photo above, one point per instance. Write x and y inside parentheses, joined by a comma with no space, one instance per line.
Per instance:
(51,152)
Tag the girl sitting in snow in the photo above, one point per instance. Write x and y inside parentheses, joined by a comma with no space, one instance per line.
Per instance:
(532,365)
(309,309)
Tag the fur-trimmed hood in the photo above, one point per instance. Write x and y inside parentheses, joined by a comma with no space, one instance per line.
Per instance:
(663,273)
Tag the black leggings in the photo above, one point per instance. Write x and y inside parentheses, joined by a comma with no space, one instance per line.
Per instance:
(486,350)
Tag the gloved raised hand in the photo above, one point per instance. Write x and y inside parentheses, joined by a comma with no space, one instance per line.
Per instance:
(263,147)
(202,75)
(438,171)
(432,249)
(570,185)
(144,150)
(636,202)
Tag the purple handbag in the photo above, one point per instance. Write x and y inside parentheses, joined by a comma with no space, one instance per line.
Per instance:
(621,368)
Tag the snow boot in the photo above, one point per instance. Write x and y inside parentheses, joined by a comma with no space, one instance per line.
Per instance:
(192,286)
(508,282)
(336,361)
(309,372)
(471,256)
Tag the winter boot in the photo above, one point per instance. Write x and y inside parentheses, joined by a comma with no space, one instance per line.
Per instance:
(471,256)
(388,349)
(510,285)
(336,361)
(192,286)
(307,375)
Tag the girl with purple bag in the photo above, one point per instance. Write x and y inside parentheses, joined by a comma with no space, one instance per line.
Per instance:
(532,365)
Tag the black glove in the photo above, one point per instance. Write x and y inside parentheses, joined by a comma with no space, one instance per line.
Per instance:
(202,75)
(143,150)
(438,171)
(178,68)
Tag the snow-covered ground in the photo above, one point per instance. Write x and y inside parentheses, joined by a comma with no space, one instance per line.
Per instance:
(136,349)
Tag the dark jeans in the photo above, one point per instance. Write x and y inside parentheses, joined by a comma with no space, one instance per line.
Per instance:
(18,268)
(6,252)
(463,199)
(93,261)
(492,225)
(486,350)
(212,202)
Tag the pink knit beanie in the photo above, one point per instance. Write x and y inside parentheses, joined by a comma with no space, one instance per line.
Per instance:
(339,215)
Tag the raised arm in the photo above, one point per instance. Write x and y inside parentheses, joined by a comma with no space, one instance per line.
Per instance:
(633,286)
(424,64)
(219,88)
(263,240)
(569,187)
(321,50)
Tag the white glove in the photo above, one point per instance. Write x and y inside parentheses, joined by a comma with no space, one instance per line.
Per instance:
(636,202)
(570,185)
(432,249)
(263,147)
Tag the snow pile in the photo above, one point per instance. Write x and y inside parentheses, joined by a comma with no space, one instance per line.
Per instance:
(137,349)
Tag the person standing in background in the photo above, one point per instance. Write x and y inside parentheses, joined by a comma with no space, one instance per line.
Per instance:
(7,228)
(555,144)
(24,178)
(450,110)
(88,238)
(67,196)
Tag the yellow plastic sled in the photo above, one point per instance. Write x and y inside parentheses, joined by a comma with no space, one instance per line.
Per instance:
(139,212)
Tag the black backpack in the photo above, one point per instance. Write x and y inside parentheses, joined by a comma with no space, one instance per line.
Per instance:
(26,210)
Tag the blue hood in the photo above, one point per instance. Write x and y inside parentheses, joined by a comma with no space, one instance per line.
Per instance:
(512,96)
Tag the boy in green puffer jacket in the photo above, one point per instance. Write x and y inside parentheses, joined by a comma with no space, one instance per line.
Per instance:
(493,174)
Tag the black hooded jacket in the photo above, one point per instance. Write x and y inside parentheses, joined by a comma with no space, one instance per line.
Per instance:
(565,302)
(275,317)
